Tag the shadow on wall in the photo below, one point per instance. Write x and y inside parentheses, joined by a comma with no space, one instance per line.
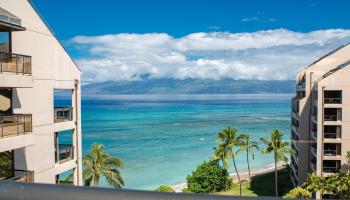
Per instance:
(16,104)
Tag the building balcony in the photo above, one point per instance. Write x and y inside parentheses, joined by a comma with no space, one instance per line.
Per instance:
(332,100)
(332,114)
(11,63)
(314,151)
(18,175)
(15,125)
(331,166)
(313,167)
(332,132)
(63,114)
(314,134)
(331,149)
(331,170)
(331,118)
(295,115)
(300,86)
(333,97)
(65,153)
(15,70)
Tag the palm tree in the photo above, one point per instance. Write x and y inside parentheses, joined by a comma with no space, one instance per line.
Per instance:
(248,146)
(227,140)
(98,164)
(279,149)
(222,155)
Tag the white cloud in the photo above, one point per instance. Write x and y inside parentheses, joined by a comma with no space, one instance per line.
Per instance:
(264,55)
(250,19)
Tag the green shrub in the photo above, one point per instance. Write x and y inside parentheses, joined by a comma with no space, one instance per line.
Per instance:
(165,188)
(209,177)
(298,193)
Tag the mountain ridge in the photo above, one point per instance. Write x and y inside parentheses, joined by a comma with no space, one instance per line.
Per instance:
(189,86)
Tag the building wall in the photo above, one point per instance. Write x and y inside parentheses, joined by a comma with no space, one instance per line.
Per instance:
(339,81)
(318,79)
(52,68)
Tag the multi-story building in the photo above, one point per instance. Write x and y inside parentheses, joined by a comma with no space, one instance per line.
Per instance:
(321,117)
(39,142)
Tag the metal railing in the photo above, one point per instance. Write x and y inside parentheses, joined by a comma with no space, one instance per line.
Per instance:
(331,169)
(332,135)
(331,118)
(15,63)
(31,191)
(65,153)
(62,114)
(15,125)
(332,100)
(20,176)
(330,152)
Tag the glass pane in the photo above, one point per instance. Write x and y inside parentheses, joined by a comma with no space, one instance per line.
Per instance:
(4,42)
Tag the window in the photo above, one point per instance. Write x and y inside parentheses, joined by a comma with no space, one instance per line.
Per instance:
(4,42)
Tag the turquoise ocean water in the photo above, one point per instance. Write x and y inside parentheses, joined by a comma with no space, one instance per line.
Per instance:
(163,138)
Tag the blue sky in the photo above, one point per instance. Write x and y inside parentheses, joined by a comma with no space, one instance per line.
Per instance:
(207,39)
(181,17)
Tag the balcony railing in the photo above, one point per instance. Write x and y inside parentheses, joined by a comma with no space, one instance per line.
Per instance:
(20,176)
(15,125)
(15,64)
(65,153)
(332,135)
(63,114)
(331,118)
(332,100)
(330,152)
(331,169)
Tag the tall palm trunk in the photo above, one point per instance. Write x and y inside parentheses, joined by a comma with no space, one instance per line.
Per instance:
(276,183)
(239,178)
(248,164)
(97,180)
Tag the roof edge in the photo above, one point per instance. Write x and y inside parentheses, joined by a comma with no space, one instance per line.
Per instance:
(51,31)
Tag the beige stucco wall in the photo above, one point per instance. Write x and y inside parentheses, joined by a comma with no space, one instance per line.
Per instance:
(316,82)
(52,68)
(340,81)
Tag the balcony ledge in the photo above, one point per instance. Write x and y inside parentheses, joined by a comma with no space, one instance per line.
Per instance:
(16,142)
(16,81)
(64,126)
(338,157)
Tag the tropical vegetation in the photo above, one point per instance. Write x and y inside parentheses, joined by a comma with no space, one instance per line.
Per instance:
(249,147)
(336,185)
(209,177)
(165,188)
(298,193)
(280,150)
(99,163)
(6,163)
(228,143)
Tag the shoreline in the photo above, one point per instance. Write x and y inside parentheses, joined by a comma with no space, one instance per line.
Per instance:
(244,175)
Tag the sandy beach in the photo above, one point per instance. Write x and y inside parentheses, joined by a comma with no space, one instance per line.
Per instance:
(244,175)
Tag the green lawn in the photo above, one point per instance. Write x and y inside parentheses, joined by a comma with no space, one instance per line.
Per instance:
(263,185)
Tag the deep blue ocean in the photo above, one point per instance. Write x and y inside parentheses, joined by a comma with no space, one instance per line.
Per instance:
(162,138)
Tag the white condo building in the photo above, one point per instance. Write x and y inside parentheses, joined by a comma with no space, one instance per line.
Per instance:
(39,142)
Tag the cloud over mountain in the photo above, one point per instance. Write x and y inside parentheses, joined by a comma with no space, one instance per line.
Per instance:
(263,55)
